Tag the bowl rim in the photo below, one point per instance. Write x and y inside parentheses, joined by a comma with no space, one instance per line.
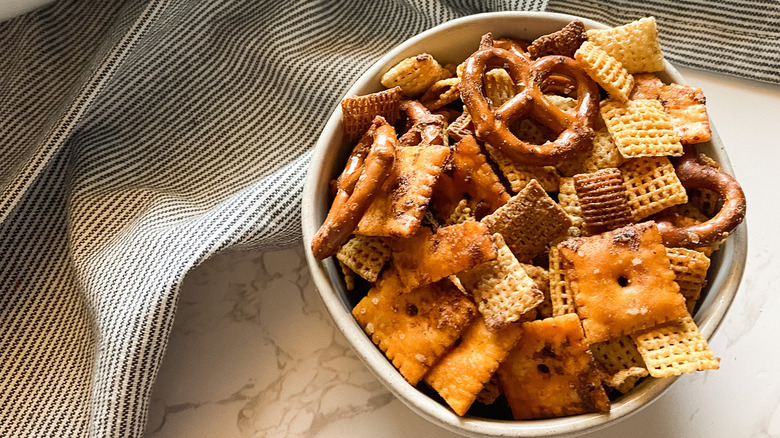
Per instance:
(725,282)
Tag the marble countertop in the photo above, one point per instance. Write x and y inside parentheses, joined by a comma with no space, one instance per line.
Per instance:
(254,353)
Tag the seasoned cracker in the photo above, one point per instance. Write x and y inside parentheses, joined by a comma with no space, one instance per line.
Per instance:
(443,92)
(529,221)
(501,288)
(675,348)
(646,86)
(690,272)
(460,376)
(561,298)
(621,281)
(567,198)
(603,200)
(414,75)
(468,175)
(428,257)
(349,276)
(551,372)
(687,111)
(605,70)
(652,186)
(498,86)
(398,209)
(413,329)
(563,103)
(563,42)
(358,112)
(621,361)
(641,128)
(490,392)
(365,255)
(519,175)
(635,45)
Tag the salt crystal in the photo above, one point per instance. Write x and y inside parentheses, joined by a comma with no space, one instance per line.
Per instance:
(636,262)
(375,300)
(420,357)
(370,328)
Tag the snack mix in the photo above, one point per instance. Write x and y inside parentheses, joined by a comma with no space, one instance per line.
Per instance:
(531,229)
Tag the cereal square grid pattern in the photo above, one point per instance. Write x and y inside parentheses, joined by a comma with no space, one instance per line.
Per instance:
(357,112)
(602,155)
(414,75)
(541,278)
(365,255)
(498,87)
(621,361)
(641,128)
(690,272)
(652,186)
(520,175)
(675,348)
(463,372)
(603,200)
(551,372)
(501,288)
(605,70)
(567,198)
(561,297)
(621,281)
(529,221)
(413,329)
(441,93)
(635,45)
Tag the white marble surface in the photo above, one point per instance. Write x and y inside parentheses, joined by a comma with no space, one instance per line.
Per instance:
(253,351)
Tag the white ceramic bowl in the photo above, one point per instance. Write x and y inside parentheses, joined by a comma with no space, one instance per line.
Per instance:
(453,42)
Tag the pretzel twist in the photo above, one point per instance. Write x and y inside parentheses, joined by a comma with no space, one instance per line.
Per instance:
(492,126)
(692,175)
(367,168)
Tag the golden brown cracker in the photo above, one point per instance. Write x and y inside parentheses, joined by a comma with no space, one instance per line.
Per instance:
(687,111)
(442,92)
(567,198)
(358,112)
(462,373)
(621,362)
(621,281)
(603,200)
(413,75)
(602,155)
(635,45)
(413,329)
(428,257)
(498,87)
(519,175)
(541,278)
(551,372)
(398,209)
(605,70)
(365,255)
(561,298)
(690,272)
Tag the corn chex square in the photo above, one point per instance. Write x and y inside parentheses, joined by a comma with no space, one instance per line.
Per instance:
(641,128)
(561,297)
(414,75)
(567,198)
(441,93)
(605,70)
(501,288)
(463,372)
(541,278)
(635,45)
(621,361)
(690,272)
(675,348)
(365,255)
(652,186)
(520,175)
(413,329)
(602,155)
(551,372)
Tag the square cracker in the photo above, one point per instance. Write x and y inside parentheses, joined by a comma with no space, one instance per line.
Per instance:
(520,175)
(413,329)
(675,348)
(641,128)
(635,45)
(551,372)
(561,298)
(652,186)
(605,70)
(501,288)
(541,278)
(567,198)
(686,108)
(621,281)
(462,373)
(400,205)
(621,361)
(357,112)
(414,75)
(603,200)
(529,221)
(427,257)
(365,255)
(690,272)
(602,155)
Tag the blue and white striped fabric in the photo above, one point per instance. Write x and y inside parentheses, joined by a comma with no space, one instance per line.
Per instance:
(140,137)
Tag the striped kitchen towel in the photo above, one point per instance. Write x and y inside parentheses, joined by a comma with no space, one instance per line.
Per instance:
(139,137)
